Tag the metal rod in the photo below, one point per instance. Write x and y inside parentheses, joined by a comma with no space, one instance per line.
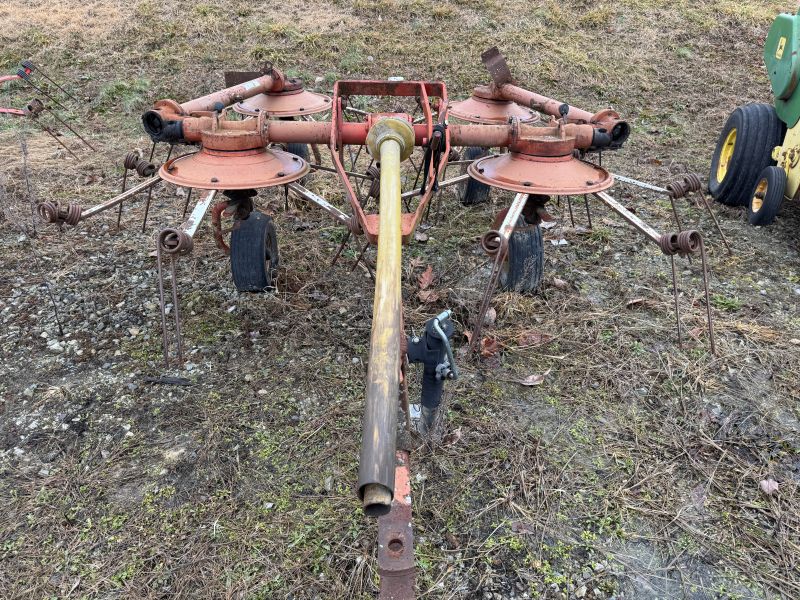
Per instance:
(631,218)
(164,339)
(186,204)
(332,170)
(124,186)
(98,208)
(27,80)
(708,300)
(43,74)
(588,212)
(442,184)
(571,217)
(55,137)
(716,222)
(675,294)
(310,196)
(641,184)
(176,309)
(65,124)
(147,208)
(499,240)
(376,467)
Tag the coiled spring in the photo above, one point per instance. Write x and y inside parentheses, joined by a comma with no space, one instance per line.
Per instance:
(375,186)
(680,188)
(175,241)
(133,162)
(53,212)
(683,243)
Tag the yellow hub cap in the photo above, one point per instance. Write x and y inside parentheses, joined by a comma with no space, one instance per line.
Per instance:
(726,154)
(758,198)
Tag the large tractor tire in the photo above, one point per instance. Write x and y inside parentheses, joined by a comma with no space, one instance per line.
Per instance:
(743,151)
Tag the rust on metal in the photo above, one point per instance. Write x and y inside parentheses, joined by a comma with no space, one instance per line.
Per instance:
(483,108)
(289,103)
(541,164)
(396,538)
(234,169)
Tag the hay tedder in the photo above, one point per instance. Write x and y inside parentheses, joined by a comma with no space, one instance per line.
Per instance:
(756,163)
(256,133)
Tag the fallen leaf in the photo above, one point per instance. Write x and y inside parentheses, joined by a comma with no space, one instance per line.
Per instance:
(421,236)
(452,437)
(610,223)
(695,332)
(769,486)
(489,347)
(634,302)
(426,279)
(534,338)
(468,335)
(535,379)
(548,224)
(416,263)
(561,242)
(560,283)
(428,296)
(520,527)
(490,317)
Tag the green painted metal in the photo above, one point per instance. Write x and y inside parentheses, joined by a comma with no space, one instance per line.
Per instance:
(783,66)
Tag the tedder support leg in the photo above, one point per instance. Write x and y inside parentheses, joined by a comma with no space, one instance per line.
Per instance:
(392,140)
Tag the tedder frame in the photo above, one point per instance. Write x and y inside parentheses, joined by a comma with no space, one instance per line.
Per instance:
(238,156)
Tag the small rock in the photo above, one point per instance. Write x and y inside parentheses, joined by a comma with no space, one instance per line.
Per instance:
(580,592)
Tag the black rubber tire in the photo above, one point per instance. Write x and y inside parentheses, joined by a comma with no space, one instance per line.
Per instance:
(254,253)
(524,267)
(767,196)
(758,131)
(300,150)
(473,192)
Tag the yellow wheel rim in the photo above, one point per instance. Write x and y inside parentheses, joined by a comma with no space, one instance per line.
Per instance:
(726,154)
(758,198)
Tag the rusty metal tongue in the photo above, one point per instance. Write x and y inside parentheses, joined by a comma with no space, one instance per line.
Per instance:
(547,175)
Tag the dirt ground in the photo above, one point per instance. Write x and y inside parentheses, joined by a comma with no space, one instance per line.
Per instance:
(634,470)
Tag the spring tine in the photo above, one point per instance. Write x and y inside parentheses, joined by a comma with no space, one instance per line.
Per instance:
(675,295)
(65,124)
(29,65)
(55,137)
(341,248)
(164,338)
(124,185)
(360,256)
(708,302)
(474,343)
(152,152)
(588,212)
(147,208)
(716,222)
(26,78)
(678,221)
(186,206)
(176,309)
(569,205)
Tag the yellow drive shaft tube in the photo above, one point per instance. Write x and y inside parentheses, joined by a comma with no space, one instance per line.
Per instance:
(390,140)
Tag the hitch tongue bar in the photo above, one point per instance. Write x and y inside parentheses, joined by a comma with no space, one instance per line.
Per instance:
(390,140)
